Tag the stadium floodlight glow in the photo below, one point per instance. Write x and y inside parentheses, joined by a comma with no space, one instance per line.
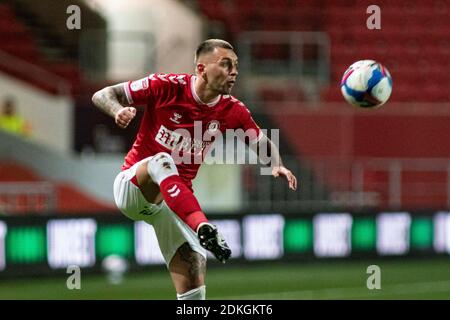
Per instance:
(147,249)
(263,236)
(3,229)
(71,242)
(332,234)
(393,233)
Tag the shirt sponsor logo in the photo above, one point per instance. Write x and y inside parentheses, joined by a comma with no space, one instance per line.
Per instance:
(175,141)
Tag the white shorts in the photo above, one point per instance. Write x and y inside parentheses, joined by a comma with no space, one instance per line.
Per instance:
(170,230)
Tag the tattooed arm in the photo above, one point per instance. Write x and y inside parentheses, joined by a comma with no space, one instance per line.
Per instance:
(113,101)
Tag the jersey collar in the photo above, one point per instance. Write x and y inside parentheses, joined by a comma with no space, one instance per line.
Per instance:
(196,97)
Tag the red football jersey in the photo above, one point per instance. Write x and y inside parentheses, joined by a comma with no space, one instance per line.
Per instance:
(176,121)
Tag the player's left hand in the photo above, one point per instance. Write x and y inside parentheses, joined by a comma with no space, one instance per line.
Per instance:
(283,171)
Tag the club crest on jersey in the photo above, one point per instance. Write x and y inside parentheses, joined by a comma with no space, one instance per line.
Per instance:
(213,126)
(176,117)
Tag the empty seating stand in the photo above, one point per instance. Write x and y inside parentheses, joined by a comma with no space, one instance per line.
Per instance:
(413,43)
(17,40)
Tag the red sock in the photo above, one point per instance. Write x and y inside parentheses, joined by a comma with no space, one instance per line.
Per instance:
(182,201)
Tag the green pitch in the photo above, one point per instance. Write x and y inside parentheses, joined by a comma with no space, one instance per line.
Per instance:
(400,279)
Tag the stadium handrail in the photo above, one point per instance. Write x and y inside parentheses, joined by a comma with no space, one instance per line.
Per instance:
(319,188)
(295,40)
(38,74)
(10,192)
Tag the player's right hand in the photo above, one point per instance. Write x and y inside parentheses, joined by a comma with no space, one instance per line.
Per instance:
(124,116)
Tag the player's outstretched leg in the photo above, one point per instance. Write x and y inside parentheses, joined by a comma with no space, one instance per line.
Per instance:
(178,196)
(212,240)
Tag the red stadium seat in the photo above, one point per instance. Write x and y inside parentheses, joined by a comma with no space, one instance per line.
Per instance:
(413,34)
(17,40)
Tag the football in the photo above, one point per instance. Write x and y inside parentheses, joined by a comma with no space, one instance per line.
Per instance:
(366,84)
